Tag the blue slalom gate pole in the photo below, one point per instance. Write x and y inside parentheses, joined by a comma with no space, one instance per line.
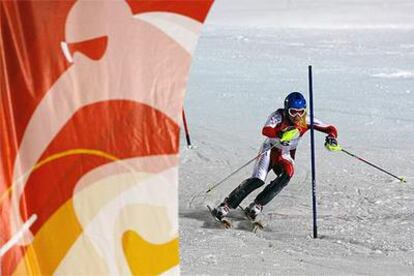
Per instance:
(315,226)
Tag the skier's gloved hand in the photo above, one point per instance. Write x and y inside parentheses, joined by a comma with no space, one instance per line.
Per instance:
(288,134)
(332,144)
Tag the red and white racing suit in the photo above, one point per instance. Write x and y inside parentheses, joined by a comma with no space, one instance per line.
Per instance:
(281,157)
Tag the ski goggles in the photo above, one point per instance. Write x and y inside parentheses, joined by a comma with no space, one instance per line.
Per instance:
(296,112)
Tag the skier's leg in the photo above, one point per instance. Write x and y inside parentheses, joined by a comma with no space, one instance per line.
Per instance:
(272,189)
(233,200)
(261,168)
(242,191)
(236,196)
(285,169)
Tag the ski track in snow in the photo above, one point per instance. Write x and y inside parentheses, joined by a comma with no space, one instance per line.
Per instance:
(365,218)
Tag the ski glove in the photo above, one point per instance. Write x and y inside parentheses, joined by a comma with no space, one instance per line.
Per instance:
(288,134)
(332,144)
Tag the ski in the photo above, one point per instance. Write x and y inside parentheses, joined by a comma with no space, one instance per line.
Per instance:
(225,222)
(257,225)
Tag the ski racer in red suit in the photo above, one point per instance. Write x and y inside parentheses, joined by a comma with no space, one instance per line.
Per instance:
(283,130)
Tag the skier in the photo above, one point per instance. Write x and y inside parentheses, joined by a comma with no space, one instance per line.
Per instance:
(283,130)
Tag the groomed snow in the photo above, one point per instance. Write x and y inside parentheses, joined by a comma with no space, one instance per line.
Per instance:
(363,83)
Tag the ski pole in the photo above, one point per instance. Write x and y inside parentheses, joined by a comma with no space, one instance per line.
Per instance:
(373,165)
(244,165)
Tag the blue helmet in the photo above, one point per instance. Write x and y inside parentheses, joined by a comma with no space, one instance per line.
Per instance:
(295,100)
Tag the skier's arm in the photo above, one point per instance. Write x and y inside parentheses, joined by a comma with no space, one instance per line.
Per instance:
(271,132)
(273,126)
(325,128)
(330,141)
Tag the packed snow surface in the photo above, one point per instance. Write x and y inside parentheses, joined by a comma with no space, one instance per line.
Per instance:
(364,85)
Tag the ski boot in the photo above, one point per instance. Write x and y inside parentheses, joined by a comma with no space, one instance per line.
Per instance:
(253,210)
(220,211)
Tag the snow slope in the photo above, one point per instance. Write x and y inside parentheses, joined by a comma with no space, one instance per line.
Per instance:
(364,84)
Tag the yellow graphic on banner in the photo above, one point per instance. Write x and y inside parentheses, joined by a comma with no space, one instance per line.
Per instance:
(152,251)
(75,152)
(51,243)
(145,258)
